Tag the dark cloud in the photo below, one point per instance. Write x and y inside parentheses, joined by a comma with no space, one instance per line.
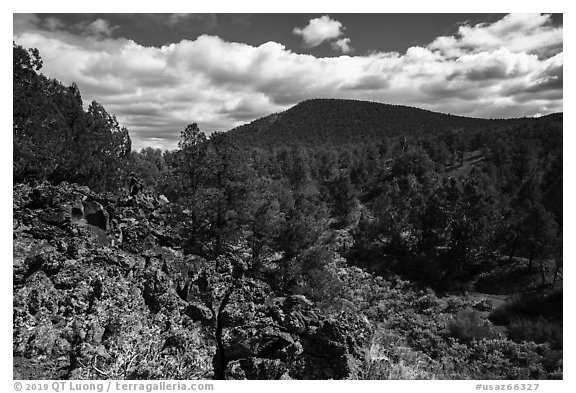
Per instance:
(245,110)
(368,82)
(147,110)
(493,71)
(544,96)
(448,91)
(95,88)
(552,83)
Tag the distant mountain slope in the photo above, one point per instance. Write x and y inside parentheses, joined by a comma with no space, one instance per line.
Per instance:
(339,122)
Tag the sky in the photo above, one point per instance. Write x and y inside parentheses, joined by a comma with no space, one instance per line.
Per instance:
(159,72)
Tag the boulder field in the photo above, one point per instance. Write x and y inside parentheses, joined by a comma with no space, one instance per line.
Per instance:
(102,290)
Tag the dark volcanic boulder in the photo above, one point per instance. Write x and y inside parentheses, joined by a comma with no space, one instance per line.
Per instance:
(199,312)
(337,349)
(96,215)
(266,337)
(48,262)
(256,368)
(56,216)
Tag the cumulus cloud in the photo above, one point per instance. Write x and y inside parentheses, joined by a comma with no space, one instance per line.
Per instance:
(156,92)
(343,45)
(319,30)
(529,33)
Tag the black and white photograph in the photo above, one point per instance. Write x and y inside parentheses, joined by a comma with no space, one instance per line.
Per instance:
(287,196)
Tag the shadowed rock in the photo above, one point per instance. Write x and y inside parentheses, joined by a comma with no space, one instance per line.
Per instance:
(199,312)
(77,212)
(96,215)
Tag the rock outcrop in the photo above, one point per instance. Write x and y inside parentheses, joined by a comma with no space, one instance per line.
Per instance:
(101,290)
(288,338)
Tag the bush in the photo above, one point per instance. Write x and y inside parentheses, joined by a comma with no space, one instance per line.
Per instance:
(538,331)
(312,274)
(468,325)
(548,306)
(506,312)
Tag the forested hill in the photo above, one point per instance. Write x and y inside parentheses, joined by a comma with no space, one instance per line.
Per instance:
(343,122)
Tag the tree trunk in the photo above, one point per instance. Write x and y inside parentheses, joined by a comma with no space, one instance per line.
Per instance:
(514,245)
(556,273)
(558,261)
(542,271)
(256,247)
(218,246)
(219,229)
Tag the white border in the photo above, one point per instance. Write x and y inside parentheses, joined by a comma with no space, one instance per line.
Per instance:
(296,6)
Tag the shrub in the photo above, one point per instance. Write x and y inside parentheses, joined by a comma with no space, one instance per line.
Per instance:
(468,325)
(538,331)
(548,306)
(504,314)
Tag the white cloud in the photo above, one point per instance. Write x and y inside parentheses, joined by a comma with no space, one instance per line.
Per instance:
(319,30)
(530,33)
(343,45)
(155,92)
(100,27)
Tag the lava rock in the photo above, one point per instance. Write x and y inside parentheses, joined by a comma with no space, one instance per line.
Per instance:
(96,215)
(199,312)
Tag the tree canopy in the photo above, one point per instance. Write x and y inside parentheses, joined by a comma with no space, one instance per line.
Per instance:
(55,138)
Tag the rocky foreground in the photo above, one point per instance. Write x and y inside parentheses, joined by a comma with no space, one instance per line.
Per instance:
(102,290)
